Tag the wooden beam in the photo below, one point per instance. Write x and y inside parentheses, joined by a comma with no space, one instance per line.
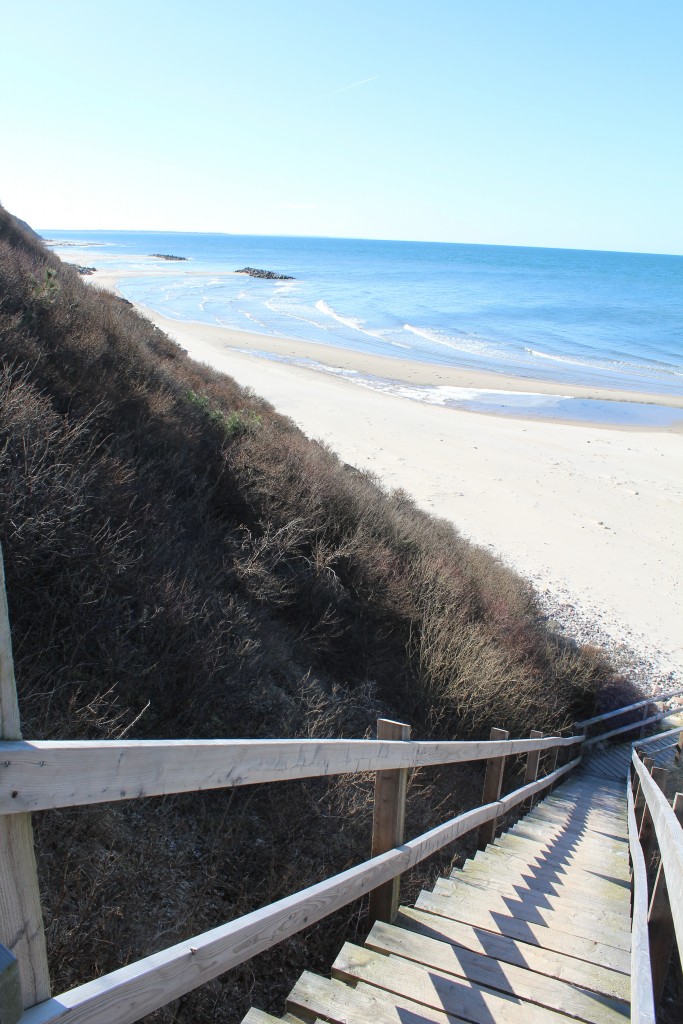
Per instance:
(493,784)
(640,804)
(388,822)
(532,760)
(132,992)
(642,1001)
(661,922)
(629,728)
(21,916)
(46,774)
(670,839)
(629,707)
(647,832)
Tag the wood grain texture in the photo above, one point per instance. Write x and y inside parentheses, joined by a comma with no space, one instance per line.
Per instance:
(670,840)
(642,1002)
(661,923)
(11,1003)
(590,976)
(493,784)
(388,822)
(495,974)
(629,707)
(437,990)
(47,774)
(21,916)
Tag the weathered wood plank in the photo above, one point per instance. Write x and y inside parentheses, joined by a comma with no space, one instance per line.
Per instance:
(523,908)
(21,916)
(661,923)
(479,916)
(642,1002)
(628,728)
(539,828)
(551,883)
(533,958)
(600,912)
(629,707)
(495,974)
(565,854)
(493,784)
(437,989)
(340,1004)
(388,821)
(670,840)
(45,774)
(594,878)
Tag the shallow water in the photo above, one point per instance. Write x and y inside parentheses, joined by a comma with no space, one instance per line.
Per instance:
(602,319)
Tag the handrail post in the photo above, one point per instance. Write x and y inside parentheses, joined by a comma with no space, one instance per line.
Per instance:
(646,711)
(639,801)
(679,748)
(493,784)
(661,923)
(21,916)
(388,822)
(532,761)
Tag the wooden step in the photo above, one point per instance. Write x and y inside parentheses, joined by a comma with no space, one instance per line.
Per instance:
(600,914)
(615,863)
(602,980)
(550,881)
(540,828)
(494,974)
(523,908)
(569,873)
(438,990)
(339,1003)
(479,916)
(616,910)
(577,843)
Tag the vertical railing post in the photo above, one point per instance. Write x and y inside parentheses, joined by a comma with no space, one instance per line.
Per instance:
(679,748)
(661,923)
(646,832)
(639,804)
(388,822)
(532,761)
(21,917)
(493,783)
(646,711)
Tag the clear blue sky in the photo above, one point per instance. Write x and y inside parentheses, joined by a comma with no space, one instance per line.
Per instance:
(523,122)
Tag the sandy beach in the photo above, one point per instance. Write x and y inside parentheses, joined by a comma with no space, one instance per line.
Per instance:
(592,515)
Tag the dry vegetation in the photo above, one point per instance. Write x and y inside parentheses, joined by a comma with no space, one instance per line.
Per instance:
(183,562)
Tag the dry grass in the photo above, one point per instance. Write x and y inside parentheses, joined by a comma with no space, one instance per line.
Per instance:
(183,562)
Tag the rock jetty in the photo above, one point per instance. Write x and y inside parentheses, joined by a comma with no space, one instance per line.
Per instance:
(253,272)
(165,256)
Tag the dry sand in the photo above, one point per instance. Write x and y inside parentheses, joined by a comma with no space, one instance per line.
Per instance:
(591,514)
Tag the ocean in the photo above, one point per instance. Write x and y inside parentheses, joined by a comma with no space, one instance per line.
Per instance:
(603,319)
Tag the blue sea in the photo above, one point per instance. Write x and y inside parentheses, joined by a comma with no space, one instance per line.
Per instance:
(605,319)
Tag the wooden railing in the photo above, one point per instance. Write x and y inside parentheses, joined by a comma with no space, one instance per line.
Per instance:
(40,775)
(656,844)
(646,718)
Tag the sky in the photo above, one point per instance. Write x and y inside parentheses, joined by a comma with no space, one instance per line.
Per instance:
(516,122)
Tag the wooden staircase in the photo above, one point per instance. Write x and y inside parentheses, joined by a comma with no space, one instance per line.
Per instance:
(536,928)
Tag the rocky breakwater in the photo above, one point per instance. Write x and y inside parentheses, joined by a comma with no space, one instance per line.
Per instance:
(165,256)
(268,274)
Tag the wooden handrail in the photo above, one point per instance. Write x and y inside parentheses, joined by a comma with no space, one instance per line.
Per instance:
(46,774)
(660,825)
(126,995)
(642,1000)
(628,728)
(629,707)
(670,839)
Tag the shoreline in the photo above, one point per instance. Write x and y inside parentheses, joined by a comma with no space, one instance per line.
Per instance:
(389,368)
(589,514)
